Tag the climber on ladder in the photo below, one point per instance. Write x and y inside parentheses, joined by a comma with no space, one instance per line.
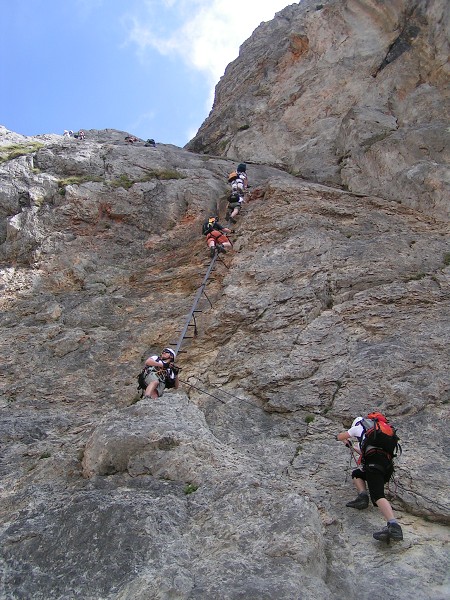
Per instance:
(216,239)
(239,183)
(159,373)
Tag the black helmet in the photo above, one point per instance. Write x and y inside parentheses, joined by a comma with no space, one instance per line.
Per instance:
(241,168)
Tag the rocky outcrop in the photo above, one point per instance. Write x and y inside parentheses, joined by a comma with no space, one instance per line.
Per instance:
(348,93)
(330,304)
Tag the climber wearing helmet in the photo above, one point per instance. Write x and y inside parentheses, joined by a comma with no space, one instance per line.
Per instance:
(239,184)
(378,445)
(160,372)
(216,239)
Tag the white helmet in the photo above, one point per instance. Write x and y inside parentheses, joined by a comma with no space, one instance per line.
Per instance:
(170,351)
(357,421)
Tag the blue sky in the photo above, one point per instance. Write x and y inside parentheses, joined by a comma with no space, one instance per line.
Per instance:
(143,66)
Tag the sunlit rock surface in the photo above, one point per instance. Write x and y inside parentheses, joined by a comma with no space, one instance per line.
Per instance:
(331,304)
(345,92)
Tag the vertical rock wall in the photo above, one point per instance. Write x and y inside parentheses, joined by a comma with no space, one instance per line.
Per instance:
(330,304)
(348,93)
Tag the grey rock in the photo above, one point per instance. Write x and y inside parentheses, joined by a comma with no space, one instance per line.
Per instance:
(331,304)
(356,94)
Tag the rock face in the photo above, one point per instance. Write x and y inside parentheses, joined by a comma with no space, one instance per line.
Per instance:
(331,304)
(346,92)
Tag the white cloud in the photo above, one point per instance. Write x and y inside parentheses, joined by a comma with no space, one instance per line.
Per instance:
(208,32)
(142,120)
(87,7)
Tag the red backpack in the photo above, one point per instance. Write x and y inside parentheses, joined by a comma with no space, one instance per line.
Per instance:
(379,435)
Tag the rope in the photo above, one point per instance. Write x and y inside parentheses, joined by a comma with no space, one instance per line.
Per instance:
(242,400)
(200,390)
(349,467)
(232,396)
(353,453)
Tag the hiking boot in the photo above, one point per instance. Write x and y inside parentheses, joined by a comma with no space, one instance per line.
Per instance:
(221,248)
(232,220)
(212,251)
(392,531)
(360,502)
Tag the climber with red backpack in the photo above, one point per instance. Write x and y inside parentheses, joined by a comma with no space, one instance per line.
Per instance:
(378,445)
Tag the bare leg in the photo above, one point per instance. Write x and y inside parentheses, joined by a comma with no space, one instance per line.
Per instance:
(386,509)
(212,247)
(362,500)
(150,390)
(360,485)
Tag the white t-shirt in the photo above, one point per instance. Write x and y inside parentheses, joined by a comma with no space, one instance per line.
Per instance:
(356,431)
(157,359)
(170,371)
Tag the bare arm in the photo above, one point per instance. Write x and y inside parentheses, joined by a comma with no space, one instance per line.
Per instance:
(344,436)
(153,363)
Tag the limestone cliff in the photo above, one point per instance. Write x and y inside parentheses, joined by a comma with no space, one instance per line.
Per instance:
(330,304)
(352,93)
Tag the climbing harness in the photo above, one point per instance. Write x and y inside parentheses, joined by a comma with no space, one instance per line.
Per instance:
(162,373)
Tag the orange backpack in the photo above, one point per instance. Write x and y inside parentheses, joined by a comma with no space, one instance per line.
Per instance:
(379,435)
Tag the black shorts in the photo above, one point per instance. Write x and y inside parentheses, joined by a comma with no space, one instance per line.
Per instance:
(377,472)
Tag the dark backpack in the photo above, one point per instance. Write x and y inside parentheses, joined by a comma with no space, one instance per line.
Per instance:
(234,197)
(168,381)
(141,380)
(208,226)
(379,435)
